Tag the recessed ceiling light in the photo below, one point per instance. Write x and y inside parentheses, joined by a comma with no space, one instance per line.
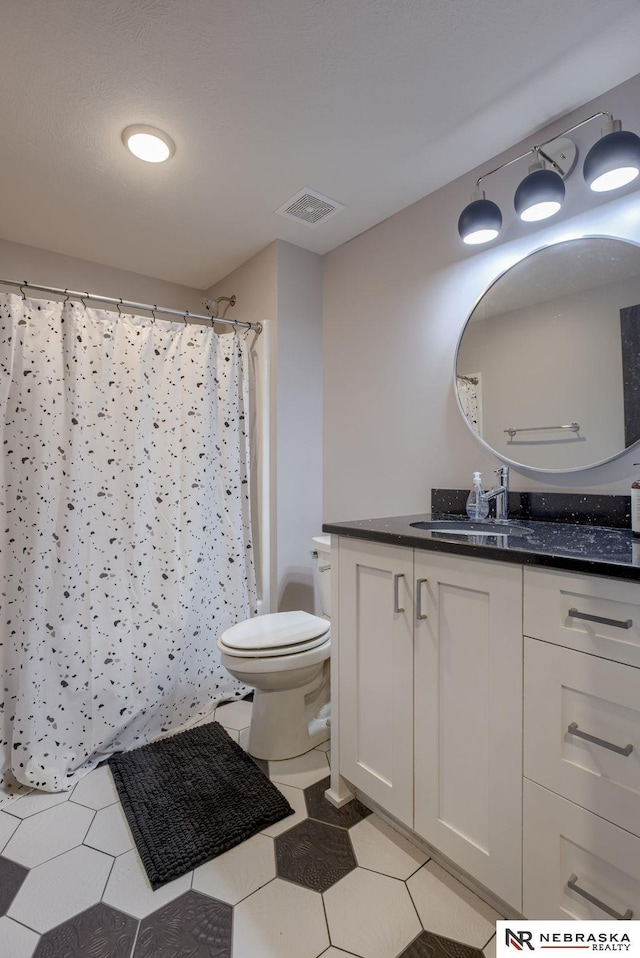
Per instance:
(148,143)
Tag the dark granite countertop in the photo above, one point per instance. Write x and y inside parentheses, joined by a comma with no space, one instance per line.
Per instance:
(598,550)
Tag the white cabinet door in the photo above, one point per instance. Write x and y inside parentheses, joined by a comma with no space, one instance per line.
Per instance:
(376,672)
(576,865)
(468,716)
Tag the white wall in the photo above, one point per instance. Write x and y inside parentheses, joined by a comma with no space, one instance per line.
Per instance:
(395,301)
(18,262)
(299,424)
(282,287)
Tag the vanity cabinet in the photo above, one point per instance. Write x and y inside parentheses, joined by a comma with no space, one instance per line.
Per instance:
(582,746)
(430,700)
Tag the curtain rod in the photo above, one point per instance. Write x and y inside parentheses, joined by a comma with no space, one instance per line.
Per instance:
(148,307)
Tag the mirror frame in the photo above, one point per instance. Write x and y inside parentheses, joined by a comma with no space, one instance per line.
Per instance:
(499,455)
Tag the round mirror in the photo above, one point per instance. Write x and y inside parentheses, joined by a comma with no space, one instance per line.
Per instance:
(548,363)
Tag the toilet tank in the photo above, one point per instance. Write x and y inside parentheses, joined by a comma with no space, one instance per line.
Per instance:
(321,549)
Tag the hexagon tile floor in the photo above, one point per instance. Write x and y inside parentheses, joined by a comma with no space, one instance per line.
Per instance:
(333,882)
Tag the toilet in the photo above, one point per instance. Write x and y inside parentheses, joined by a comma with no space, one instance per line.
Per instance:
(284,657)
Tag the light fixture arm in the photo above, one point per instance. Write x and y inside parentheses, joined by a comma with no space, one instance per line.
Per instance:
(538,148)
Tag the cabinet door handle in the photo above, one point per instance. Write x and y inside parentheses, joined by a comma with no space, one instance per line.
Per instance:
(573,885)
(618,623)
(625,750)
(396,587)
(419,613)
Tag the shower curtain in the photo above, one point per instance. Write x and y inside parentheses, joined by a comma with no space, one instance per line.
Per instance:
(125,539)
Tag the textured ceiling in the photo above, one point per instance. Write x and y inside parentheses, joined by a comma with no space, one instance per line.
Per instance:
(372,103)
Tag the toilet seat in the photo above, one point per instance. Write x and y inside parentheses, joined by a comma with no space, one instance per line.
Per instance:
(277,634)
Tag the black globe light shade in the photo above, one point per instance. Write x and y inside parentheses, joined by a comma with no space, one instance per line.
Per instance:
(480,221)
(539,196)
(613,161)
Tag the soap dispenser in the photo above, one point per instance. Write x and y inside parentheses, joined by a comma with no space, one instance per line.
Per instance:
(478,506)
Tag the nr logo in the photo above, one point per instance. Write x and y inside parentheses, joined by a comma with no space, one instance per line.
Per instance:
(518,939)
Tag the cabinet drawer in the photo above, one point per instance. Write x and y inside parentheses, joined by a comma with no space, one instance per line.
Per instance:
(563,688)
(564,843)
(587,613)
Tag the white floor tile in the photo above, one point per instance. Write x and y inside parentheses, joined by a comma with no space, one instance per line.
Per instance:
(447,908)
(301,771)
(48,834)
(16,941)
(295,797)
(62,887)
(8,825)
(128,888)
(109,831)
(34,802)
(336,953)
(281,920)
(96,790)
(371,915)
(380,848)
(490,949)
(325,747)
(243,738)
(234,734)
(239,872)
(234,715)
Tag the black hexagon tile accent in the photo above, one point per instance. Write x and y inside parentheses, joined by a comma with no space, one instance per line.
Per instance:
(318,807)
(193,925)
(314,854)
(428,945)
(11,877)
(98,932)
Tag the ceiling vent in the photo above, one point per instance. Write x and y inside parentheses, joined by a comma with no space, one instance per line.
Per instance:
(309,207)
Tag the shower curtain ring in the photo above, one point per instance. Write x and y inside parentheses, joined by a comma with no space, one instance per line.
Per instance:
(118,305)
(82,300)
(153,313)
(185,316)
(66,297)
(26,283)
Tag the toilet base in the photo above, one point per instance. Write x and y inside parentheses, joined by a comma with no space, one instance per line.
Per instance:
(281,726)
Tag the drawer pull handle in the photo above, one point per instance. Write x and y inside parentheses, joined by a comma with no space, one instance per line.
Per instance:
(396,587)
(419,613)
(573,885)
(625,750)
(618,623)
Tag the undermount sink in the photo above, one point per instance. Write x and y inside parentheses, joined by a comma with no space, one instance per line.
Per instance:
(465,527)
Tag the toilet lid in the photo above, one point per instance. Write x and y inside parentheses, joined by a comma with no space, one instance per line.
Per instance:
(281,633)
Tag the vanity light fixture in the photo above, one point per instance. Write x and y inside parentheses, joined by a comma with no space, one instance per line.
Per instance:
(148,143)
(540,194)
(480,221)
(610,164)
(614,160)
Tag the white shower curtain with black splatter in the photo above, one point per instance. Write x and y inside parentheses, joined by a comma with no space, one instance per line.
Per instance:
(125,530)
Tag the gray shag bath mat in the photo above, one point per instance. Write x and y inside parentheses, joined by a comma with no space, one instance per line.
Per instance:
(191,797)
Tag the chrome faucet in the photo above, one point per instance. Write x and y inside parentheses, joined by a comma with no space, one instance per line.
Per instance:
(500,493)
